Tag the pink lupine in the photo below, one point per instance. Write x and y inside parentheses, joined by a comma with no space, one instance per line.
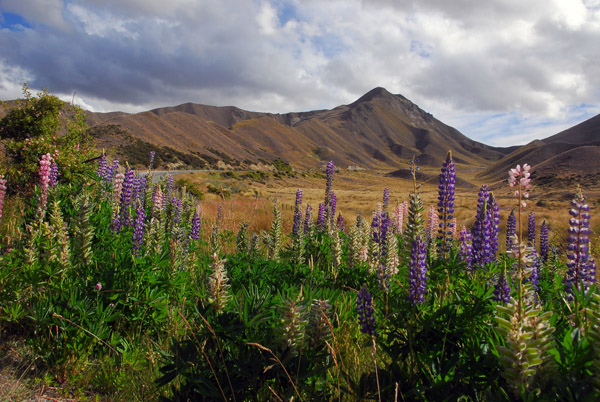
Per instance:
(399,218)
(44,173)
(520,177)
(2,192)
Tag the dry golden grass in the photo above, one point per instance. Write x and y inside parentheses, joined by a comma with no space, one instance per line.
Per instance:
(360,192)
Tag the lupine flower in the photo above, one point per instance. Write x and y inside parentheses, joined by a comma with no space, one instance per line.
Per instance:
(399,218)
(218,286)
(454,230)
(577,274)
(340,223)
(196,224)
(44,174)
(531,229)
(520,177)
(114,169)
(297,213)
(2,193)
(126,197)
(117,188)
(138,230)
(103,168)
(544,247)
(332,209)
(511,230)
(432,224)
(158,202)
(176,210)
(501,289)
(482,230)
(386,199)
(329,182)
(308,220)
(151,164)
(170,185)
(418,271)
(446,203)
(321,217)
(494,218)
(465,253)
(366,314)
(53,178)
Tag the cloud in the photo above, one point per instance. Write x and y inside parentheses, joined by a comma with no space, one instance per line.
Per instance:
(466,62)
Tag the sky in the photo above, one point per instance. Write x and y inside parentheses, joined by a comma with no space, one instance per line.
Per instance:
(503,72)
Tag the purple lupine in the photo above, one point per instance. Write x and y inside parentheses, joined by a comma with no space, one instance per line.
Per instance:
(531,229)
(177,205)
(126,197)
(151,164)
(113,170)
(321,217)
(196,224)
(366,314)
(578,245)
(494,218)
(465,253)
(446,203)
(170,185)
(418,271)
(386,199)
(297,214)
(482,230)
(332,209)
(328,190)
(501,289)
(2,193)
(340,223)
(544,245)
(53,178)
(308,219)
(138,230)
(511,231)
(103,168)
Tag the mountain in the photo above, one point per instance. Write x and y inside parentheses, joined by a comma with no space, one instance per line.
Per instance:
(572,153)
(378,131)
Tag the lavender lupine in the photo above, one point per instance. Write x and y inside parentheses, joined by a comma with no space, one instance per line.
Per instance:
(531,229)
(138,230)
(511,230)
(482,230)
(465,253)
(44,174)
(321,219)
(117,189)
(544,245)
(126,198)
(308,220)
(578,245)
(386,199)
(53,178)
(196,223)
(366,314)
(418,271)
(446,204)
(501,289)
(103,168)
(297,213)
(339,224)
(494,218)
(151,162)
(328,190)
(113,171)
(2,193)
(332,209)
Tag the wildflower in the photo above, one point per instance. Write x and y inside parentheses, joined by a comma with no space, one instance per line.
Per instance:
(308,220)
(578,267)
(218,286)
(44,174)
(465,253)
(2,192)
(482,251)
(151,164)
(501,289)
(196,223)
(98,286)
(544,247)
(53,177)
(297,213)
(366,314)
(446,203)
(418,271)
(126,197)
(386,199)
(494,218)
(531,229)
(321,217)
(432,224)
(340,223)
(138,230)
(520,177)
(399,218)
(511,230)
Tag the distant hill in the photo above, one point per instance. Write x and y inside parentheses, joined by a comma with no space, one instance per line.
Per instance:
(572,153)
(378,131)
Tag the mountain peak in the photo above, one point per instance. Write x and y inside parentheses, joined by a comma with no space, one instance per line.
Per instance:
(378,92)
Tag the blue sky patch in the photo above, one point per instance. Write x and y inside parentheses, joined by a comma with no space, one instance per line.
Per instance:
(13,21)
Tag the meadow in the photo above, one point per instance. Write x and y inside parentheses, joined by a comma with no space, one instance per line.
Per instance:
(113,287)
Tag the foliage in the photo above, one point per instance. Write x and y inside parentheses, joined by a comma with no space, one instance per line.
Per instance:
(44,124)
